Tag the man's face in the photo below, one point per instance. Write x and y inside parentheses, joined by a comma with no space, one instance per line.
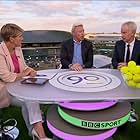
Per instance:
(127,34)
(78,33)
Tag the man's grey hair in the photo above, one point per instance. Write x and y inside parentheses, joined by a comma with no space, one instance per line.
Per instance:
(131,25)
(75,25)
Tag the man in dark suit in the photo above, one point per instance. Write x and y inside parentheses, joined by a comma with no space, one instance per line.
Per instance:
(77,52)
(119,59)
(125,50)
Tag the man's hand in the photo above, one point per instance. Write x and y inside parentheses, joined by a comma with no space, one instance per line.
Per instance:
(76,67)
(120,65)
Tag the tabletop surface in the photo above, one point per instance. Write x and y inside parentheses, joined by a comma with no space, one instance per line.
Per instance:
(50,93)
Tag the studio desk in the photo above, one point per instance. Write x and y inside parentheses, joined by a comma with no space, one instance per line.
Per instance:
(89,105)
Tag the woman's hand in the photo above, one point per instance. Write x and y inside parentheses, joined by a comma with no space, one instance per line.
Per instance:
(26,72)
(33,73)
(29,72)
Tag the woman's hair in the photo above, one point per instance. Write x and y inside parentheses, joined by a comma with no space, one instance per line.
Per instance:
(10,30)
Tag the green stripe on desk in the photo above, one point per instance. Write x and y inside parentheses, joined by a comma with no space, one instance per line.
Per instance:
(93,124)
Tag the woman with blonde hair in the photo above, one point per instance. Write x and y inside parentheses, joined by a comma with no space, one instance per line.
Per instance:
(13,68)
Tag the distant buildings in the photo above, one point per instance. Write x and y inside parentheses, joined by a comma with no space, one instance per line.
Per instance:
(41,48)
(104,42)
(103,38)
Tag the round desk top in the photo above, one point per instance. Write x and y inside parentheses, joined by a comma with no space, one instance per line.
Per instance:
(48,93)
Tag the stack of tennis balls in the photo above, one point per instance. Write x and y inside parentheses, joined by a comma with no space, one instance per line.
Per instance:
(131,74)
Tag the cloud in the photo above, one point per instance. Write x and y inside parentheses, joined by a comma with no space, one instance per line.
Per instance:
(128,4)
(121,13)
(49,8)
(4,9)
(97,16)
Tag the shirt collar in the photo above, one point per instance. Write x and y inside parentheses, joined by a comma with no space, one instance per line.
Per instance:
(132,43)
(77,42)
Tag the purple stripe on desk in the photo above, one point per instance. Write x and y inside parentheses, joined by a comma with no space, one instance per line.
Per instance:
(88,106)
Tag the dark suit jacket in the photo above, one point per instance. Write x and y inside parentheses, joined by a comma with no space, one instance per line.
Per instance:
(67,52)
(119,52)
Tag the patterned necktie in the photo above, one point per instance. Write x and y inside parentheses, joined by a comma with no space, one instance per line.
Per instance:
(128,53)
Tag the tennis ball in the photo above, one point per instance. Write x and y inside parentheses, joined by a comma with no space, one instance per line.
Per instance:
(138,85)
(124,69)
(137,70)
(131,64)
(131,83)
(136,78)
(128,76)
(132,70)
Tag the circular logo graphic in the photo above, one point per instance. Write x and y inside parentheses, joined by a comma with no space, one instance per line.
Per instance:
(85,81)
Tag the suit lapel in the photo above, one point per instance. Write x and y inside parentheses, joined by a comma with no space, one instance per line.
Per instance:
(8,57)
(71,49)
(122,51)
(83,50)
(134,52)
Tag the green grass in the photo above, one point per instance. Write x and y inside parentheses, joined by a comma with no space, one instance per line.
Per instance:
(129,132)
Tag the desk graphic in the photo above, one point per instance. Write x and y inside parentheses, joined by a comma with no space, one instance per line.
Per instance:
(85,81)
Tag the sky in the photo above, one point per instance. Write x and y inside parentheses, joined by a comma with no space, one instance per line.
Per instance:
(96,15)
